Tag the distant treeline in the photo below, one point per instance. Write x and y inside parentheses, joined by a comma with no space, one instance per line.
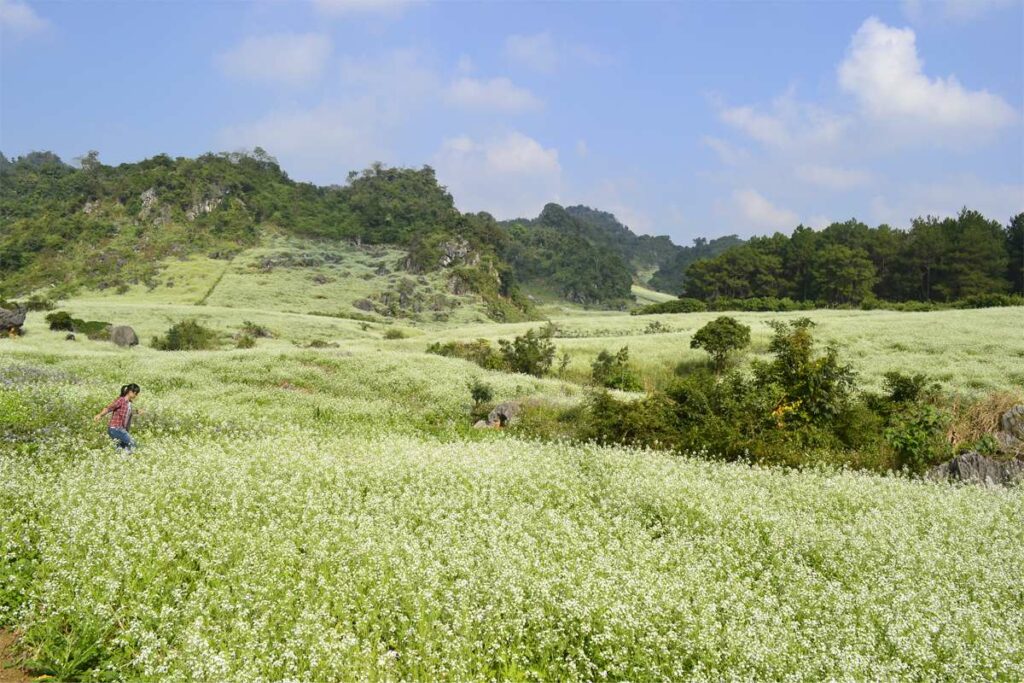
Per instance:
(937,260)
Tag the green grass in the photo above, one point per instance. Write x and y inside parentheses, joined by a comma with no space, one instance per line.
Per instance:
(329,514)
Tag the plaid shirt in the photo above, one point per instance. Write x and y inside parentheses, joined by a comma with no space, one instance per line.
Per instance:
(120,413)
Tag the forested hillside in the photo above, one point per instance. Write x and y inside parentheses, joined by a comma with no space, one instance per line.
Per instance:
(102,226)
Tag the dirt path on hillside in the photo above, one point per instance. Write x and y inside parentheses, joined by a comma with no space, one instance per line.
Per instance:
(9,675)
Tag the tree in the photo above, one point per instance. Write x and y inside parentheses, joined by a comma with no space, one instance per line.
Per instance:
(719,337)
(977,259)
(1015,249)
(843,275)
(530,354)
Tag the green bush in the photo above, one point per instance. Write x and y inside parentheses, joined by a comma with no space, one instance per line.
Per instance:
(256,331)
(719,337)
(61,321)
(613,371)
(815,388)
(916,436)
(530,354)
(480,352)
(480,391)
(245,341)
(187,335)
(394,333)
(93,329)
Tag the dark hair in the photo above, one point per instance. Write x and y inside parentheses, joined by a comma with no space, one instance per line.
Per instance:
(130,387)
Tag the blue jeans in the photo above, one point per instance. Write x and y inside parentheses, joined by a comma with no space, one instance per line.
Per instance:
(124,440)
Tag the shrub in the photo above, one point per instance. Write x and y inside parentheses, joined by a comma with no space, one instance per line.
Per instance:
(480,391)
(394,333)
(916,437)
(719,337)
(817,387)
(480,352)
(61,321)
(613,371)
(530,354)
(256,331)
(187,335)
(245,341)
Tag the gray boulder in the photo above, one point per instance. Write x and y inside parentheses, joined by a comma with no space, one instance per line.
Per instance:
(122,335)
(974,468)
(504,414)
(12,320)
(1011,434)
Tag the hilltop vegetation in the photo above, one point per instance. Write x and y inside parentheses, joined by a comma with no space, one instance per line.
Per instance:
(104,227)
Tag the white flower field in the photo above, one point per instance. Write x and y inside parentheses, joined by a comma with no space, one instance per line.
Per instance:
(327,515)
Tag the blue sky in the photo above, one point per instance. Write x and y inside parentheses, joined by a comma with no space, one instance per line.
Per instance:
(682,118)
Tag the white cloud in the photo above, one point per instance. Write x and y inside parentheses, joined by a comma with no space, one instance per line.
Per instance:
(510,176)
(20,19)
(496,93)
(833,177)
(399,76)
(323,143)
(729,153)
(788,124)
(582,149)
(537,51)
(347,8)
(283,58)
(758,212)
(997,201)
(883,71)
(543,53)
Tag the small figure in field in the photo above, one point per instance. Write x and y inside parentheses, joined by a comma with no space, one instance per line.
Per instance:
(121,412)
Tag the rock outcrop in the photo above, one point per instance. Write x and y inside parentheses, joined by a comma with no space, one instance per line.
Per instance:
(12,320)
(974,468)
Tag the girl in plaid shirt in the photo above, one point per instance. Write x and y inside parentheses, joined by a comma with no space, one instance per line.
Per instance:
(121,416)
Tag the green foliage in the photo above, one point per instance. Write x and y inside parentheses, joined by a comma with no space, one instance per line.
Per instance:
(815,387)
(720,337)
(187,335)
(947,260)
(529,354)
(64,322)
(61,321)
(245,341)
(394,333)
(681,305)
(671,276)
(560,252)
(480,391)
(916,436)
(256,331)
(613,371)
(480,352)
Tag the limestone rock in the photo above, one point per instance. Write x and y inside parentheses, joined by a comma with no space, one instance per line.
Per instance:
(1011,435)
(974,468)
(122,335)
(504,414)
(12,320)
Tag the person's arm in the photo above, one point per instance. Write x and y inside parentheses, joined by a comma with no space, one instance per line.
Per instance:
(108,409)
